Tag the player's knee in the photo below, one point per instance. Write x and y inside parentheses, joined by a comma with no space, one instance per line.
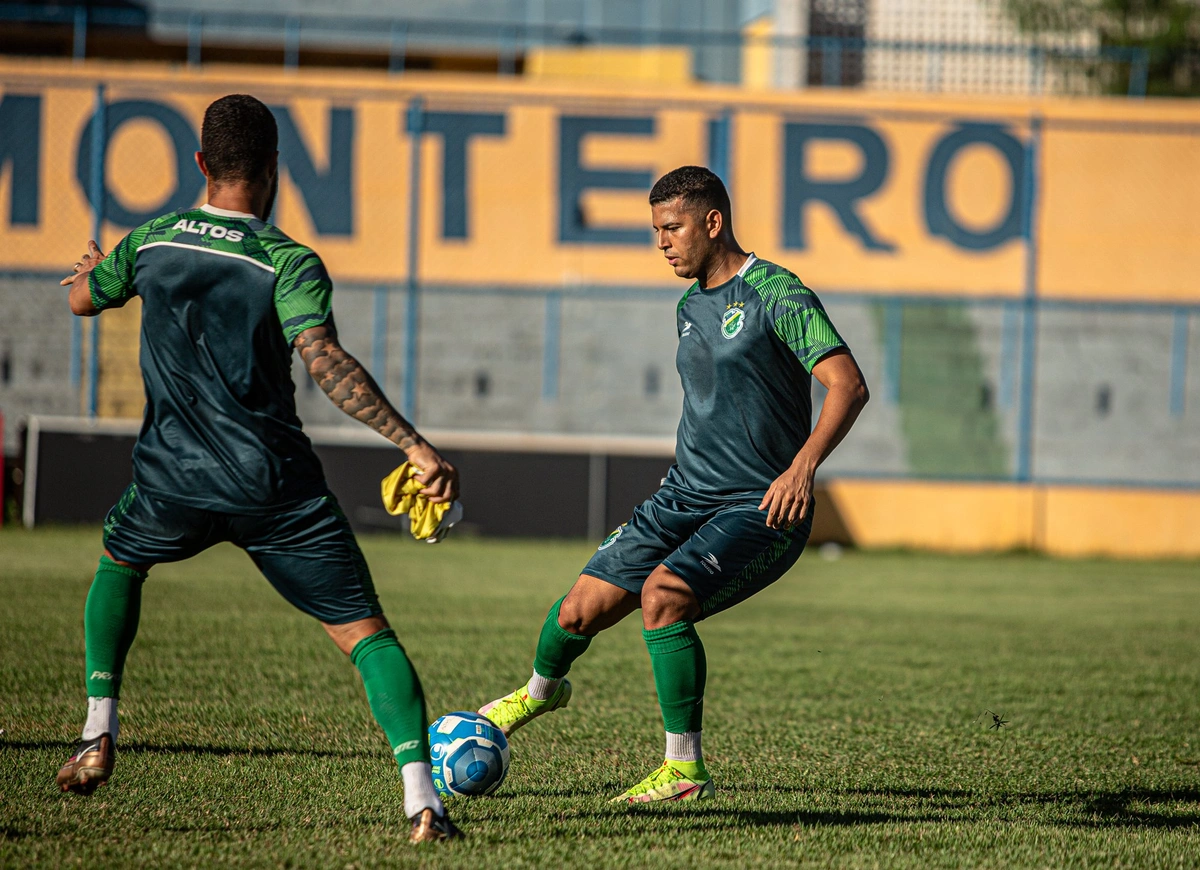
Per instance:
(588,612)
(576,617)
(347,635)
(664,605)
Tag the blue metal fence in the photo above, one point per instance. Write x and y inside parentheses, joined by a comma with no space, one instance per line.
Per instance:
(508,41)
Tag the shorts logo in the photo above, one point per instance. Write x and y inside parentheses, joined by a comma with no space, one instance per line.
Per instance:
(710,563)
(733,320)
(612,538)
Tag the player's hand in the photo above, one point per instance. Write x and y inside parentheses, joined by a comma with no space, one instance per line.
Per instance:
(438,475)
(790,497)
(85,263)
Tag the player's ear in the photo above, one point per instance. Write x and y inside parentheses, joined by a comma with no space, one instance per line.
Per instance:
(201,163)
(714,222)
(273,165)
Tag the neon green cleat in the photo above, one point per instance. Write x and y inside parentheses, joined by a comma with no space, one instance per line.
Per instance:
(674,781)
(512,711)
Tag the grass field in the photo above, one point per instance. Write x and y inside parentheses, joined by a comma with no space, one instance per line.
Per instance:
(845,717)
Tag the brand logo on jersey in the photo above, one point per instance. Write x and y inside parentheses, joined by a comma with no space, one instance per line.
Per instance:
(734,319)
(202,228)
(710,563)
(687,330)
(612,538)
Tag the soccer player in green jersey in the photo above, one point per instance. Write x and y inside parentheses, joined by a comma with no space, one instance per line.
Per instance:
(736,508)
(221,455)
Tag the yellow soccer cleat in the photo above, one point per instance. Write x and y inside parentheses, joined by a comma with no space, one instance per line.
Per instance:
(674,781)
(512,711)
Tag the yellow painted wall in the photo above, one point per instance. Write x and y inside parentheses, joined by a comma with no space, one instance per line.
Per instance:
(663,65)
(1119,183)
(1058,520)
(758,55)
(1080,521)
(1118,179)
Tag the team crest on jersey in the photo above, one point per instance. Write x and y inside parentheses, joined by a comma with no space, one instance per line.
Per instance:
(733,320)
(612,537)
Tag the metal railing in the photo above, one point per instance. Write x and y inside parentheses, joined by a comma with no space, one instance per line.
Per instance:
(1022,66)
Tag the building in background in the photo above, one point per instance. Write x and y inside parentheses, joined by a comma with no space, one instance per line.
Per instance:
(965,46)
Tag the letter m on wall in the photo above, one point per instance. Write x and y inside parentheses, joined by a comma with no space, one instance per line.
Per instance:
(20,144)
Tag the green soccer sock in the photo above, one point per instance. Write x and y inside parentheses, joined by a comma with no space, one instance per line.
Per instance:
(394,693)
(110,623)
(680,669)
(557,648)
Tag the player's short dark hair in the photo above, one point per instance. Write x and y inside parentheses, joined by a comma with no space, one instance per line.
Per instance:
(699,188)
(239,136)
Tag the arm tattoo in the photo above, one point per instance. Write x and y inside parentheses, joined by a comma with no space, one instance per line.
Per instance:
(351,388)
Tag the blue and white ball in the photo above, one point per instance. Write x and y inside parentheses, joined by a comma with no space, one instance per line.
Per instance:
(469,755)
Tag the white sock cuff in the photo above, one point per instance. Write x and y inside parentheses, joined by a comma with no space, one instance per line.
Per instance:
(419,793)
(684,747)
(101,718)
(542,688)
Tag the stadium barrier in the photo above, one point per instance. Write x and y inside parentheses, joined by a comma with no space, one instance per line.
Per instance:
(514,484)
(522,485)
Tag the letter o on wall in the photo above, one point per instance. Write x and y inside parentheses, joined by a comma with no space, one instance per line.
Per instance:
(938,218)
(188,180)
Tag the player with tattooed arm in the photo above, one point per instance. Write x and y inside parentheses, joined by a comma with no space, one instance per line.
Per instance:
(221,455)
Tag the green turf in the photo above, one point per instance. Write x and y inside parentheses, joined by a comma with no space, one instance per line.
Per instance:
(845,717)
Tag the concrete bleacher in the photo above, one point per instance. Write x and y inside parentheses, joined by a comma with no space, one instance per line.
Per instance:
(1102,408)
(482,359)
(35,353)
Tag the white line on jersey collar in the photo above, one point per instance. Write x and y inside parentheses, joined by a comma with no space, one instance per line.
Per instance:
(746,265)
(224,212)
(198,249)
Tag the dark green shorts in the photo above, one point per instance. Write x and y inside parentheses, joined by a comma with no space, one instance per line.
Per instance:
(724,552)
(308,552)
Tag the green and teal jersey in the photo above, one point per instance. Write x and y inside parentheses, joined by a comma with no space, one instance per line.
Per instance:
(746,352)
(224,295)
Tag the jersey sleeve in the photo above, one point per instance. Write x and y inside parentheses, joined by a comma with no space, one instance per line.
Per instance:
(111,282)
(800,322)
(303,293)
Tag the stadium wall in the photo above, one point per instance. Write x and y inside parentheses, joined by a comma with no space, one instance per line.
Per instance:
(996,517)
(544,184)
(1016,275)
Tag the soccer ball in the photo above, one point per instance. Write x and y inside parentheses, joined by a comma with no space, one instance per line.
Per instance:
(469,755)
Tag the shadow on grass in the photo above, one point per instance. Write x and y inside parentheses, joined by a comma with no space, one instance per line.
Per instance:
(188,749)
(783,818)
(1126,808)
(1078,809)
